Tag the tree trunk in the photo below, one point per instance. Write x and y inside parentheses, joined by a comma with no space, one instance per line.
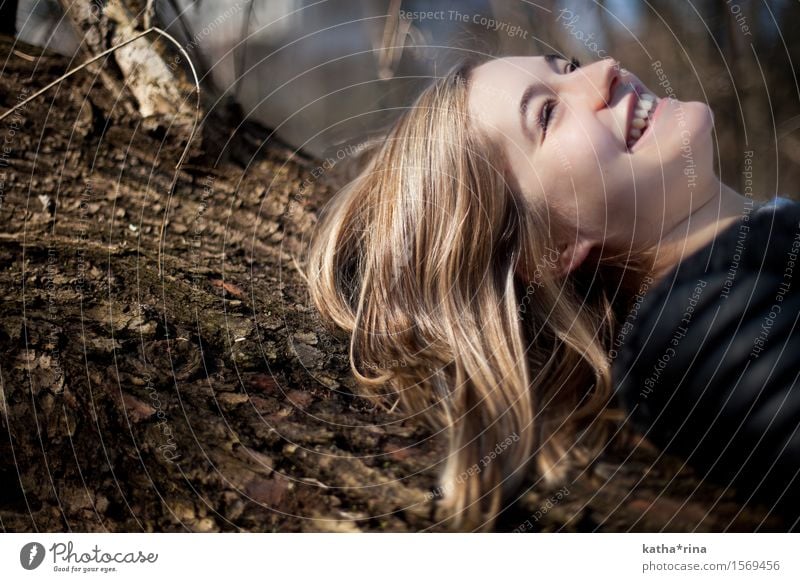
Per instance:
(205,395)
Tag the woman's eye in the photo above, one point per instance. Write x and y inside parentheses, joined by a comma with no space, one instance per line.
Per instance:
(546,114)
(572,65)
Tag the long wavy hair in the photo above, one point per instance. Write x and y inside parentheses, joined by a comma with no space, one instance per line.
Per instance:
(437,269)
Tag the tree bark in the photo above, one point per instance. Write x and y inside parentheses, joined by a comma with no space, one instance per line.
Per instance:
(209,397)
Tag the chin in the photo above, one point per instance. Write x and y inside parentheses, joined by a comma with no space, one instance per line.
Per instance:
(694,123)
(699,118)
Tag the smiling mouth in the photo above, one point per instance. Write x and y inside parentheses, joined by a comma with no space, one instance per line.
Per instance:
(639,117)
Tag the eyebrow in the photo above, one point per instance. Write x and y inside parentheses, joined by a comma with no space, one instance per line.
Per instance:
(527,96)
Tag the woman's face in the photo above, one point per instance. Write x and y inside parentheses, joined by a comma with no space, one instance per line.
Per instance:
(611,195)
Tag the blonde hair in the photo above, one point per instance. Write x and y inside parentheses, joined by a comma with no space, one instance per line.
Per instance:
(419,257)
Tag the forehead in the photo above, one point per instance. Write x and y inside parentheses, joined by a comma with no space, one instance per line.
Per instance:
(496,87)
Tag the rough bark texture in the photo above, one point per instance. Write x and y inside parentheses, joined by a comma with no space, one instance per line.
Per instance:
(208,397)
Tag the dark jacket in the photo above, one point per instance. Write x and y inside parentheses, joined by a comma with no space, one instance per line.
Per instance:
(708,362)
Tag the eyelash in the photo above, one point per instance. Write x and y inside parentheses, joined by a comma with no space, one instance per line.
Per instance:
(546,113)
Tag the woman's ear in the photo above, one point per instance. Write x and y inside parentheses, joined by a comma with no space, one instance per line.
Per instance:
(572,256)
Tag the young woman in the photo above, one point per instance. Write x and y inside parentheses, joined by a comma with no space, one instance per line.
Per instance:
(487,255)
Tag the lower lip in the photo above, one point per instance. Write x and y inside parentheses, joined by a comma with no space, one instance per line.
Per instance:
(650,123)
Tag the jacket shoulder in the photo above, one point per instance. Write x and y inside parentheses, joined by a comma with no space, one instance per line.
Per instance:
(710,369)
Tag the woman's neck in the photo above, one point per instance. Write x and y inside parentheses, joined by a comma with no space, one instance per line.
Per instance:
(701,227)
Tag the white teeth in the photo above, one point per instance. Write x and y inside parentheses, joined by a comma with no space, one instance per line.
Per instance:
(644,108)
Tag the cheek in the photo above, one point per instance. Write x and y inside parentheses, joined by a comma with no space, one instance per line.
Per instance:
(585,144)
(588,160)
(582,180)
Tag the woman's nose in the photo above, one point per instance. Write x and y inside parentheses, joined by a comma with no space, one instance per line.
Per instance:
(595,82)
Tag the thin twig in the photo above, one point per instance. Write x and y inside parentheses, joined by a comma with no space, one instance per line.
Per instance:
(149,11)
(27,57)
(241,59)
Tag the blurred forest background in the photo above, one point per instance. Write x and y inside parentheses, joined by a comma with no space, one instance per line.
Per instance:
(325,74)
